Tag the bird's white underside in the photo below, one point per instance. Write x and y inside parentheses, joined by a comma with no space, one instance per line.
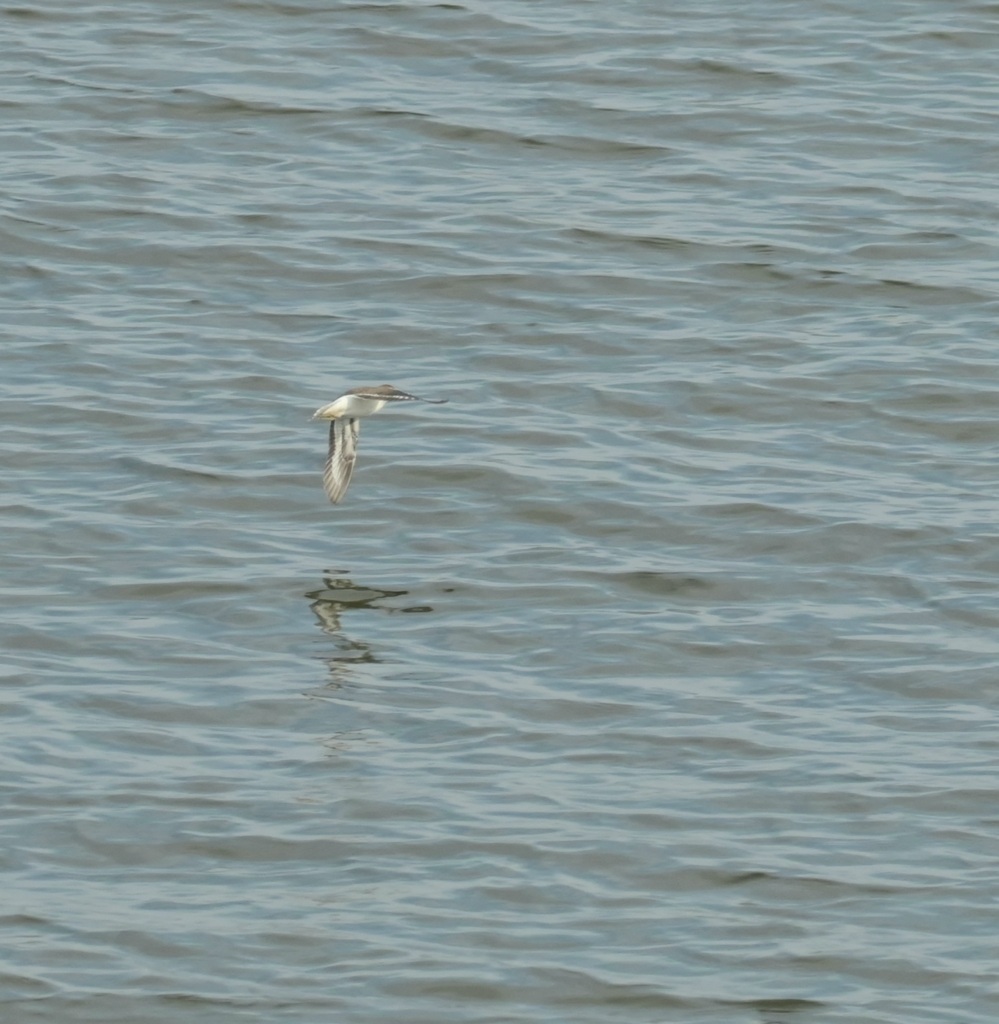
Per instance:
(344,415)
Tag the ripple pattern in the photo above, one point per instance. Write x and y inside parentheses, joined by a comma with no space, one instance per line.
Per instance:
(652,679)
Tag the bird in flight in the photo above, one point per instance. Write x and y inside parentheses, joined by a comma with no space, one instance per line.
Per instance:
(344,414)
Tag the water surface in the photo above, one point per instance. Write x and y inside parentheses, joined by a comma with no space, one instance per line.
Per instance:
(653,677)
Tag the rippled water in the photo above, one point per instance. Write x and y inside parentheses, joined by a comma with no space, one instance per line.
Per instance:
(654,677)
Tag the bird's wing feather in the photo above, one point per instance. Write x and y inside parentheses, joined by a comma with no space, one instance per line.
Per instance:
(341,458)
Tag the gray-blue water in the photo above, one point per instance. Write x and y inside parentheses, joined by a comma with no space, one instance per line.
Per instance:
(654,678)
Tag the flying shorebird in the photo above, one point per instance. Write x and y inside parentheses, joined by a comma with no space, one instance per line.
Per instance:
(344,414)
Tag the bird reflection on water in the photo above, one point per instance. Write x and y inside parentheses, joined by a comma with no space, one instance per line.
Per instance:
(338,595)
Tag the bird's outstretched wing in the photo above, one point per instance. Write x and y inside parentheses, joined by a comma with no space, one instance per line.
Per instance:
(341,458)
